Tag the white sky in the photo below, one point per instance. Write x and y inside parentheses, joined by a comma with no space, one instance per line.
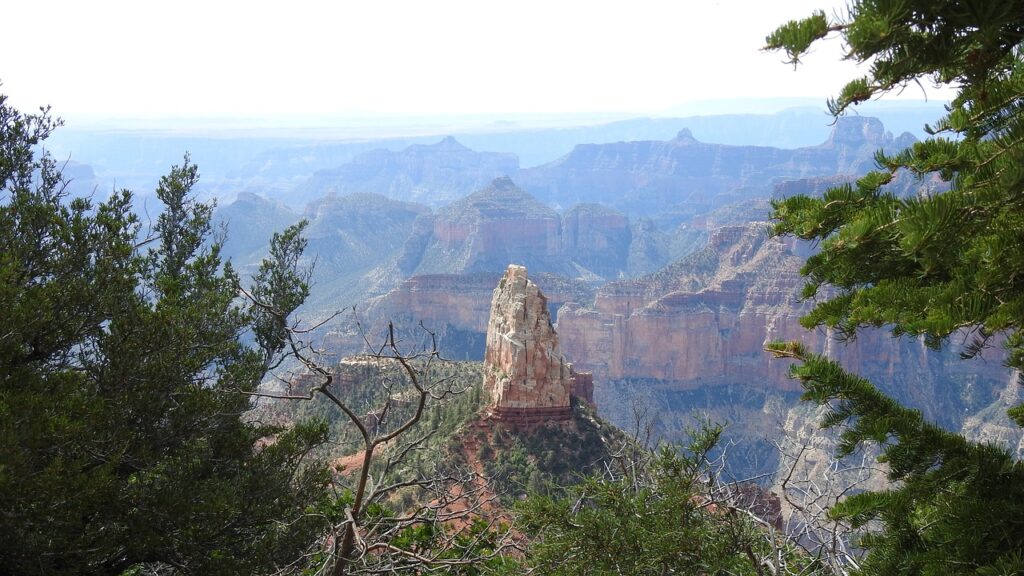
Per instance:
(384,57)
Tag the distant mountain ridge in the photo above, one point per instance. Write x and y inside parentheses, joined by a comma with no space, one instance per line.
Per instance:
(434,175)
(503,224)
(638,177)
(646,177)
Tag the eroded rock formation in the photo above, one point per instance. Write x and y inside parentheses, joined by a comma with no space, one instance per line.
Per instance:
(501,223)
(524,372)
(692,335)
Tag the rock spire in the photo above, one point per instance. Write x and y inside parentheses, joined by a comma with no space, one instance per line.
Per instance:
(524,372)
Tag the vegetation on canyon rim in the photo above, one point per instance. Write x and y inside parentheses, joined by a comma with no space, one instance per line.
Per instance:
(124,380)
(932,266)
(123,437)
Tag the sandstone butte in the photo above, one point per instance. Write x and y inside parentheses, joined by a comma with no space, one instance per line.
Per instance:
(525,374)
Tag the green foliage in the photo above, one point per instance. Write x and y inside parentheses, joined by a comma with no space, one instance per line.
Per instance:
(658,516)
(549,458)
(469,552)
(956,507)
(796,36)
(281,285)
(123,386)
(934,263)
(367,386)
(929,265)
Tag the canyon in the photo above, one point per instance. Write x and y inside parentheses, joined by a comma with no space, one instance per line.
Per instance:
(660,275)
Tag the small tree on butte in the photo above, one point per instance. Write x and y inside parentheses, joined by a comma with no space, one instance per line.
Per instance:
(932,265)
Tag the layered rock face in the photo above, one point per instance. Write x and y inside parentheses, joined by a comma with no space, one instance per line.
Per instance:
(702,321)
(689,340)
(524,371)
(454,307)
(701,324)
(501,223)
(464,300)
(459,300)
(598,238)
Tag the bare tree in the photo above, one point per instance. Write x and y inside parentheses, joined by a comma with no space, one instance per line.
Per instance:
(443,528)
(811,482)
(741,519)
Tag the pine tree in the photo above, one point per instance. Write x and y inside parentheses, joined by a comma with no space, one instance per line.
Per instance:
(935,263)
(656,512)
(124,384)
(931,265)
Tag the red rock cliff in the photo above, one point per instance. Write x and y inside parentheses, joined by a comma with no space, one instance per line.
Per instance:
(705,320)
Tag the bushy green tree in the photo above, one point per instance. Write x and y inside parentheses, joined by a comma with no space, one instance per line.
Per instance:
(935,263)
(955,506)
(663,513)
(124,386)
(930,265)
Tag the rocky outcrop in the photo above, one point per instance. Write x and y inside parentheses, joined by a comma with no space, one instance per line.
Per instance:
(464,300)
(581,386)
(524,372)
(598,238)
(459,300)
(455,308)
(485,231)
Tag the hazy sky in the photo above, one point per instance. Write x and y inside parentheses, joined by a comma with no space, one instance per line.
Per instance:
(253,58)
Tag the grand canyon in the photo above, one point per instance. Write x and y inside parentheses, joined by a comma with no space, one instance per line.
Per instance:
(656,260)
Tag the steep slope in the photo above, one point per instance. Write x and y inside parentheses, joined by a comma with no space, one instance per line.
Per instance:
(454,307)
(349,238)
(598,238)
(250,221)
(523,417)
(446,269)
(690,338)
(485,231)
(502,224)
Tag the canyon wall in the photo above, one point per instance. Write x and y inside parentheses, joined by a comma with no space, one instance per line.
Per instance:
(694,334)
(500,223)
